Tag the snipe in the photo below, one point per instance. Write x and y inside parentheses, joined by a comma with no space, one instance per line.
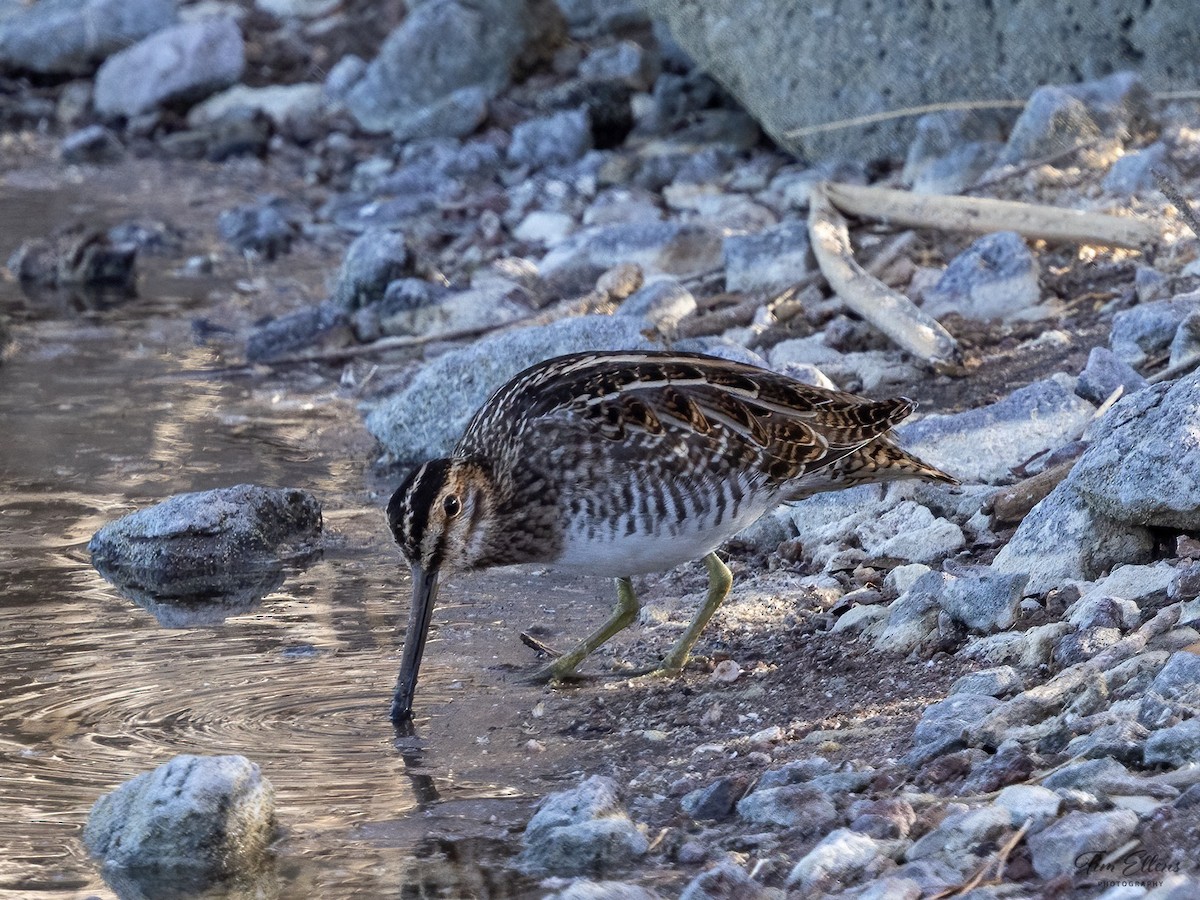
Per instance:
(622,463)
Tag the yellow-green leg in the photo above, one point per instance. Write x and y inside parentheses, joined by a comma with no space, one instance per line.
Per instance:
(622,617)
(720,579)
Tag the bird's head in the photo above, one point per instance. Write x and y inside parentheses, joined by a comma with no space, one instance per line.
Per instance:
(440,516)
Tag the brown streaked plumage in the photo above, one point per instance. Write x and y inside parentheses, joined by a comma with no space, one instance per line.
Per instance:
(621,463)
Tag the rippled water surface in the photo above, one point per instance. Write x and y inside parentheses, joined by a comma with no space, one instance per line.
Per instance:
(103,412)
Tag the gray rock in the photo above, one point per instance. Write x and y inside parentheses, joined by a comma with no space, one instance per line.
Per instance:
(586,889)
(1083,644)
(1133,471)
(885,819)
(479,308)
(93,144)
(958,169)
(263,228)
(891,888)
(443,46)
(1029,801)
(456,115)
(300,9)
(283,104)
(69,37)
(911,533)
(555,140)
(983,599)
(724,881)
(671,248)
(944,725)
(791,806)
(296,331)
(624,62)
(715,801)
(1185,345)
(1104,373)
(983,444)
(959,833)
(191,543)
(581,831)
(796,772)
(795,67)
(212,815)
(1134,172)
(1178,745)
(1053,120)
(1064,538)
(771,260)
(346,73)
(994,682)
(427,417)
(941,134)
(1057,850)
(1148,328)
(662,302)
(375,259)
(913,615)
(994,278)
(840,858)
(1174,693)
(178,65)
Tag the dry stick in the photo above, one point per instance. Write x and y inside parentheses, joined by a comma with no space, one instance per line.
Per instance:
(890,311)
(907,112)
(981,214)
(1177,200)
(999,859)
(1016,171)
(735,316)
(1180,368)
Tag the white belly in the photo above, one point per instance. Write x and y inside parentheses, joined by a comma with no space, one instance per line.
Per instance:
(615,553)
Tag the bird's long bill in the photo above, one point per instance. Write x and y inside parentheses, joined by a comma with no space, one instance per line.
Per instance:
(424,593)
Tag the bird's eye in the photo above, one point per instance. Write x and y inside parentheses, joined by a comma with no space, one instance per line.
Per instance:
(452,505)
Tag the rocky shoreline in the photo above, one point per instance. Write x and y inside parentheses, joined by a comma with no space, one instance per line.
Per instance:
(500,188)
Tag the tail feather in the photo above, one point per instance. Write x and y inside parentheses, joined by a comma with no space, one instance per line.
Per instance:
(875,462)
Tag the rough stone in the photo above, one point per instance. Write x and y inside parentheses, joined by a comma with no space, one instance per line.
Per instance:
(178,65)
(283,104)
(214,815)
(581,831)
(296,331)
(1185,345)
(796,772)
(953,137)
(1064,538)
(794,67)
(586,889)
(93,144)
(427,417)
(958,169)
(982,445)
(375,259)
(1029,801)
(69,37)
(840,858)
(943,725)
(555,140)
(263,228)
(996,277)
(994,682)
(185,545)
(625,62)
(1178,745)
(1056,850)
(301,9)
(960,832)
(1104,373)
(662,302)
(1174,693)
(724,881)
(670,248)
(771,260)
(1053,120)
(1141,467)
(1148,328)
(790,806)
(913,615)
(1134,172)
(715,801)
(983,599)
(443,46)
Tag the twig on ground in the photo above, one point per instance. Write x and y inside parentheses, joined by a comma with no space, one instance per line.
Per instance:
(1016,171)
(1177,200)
(1175,371)
(906,113)
(981,214)
(890,311)
(999,859)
